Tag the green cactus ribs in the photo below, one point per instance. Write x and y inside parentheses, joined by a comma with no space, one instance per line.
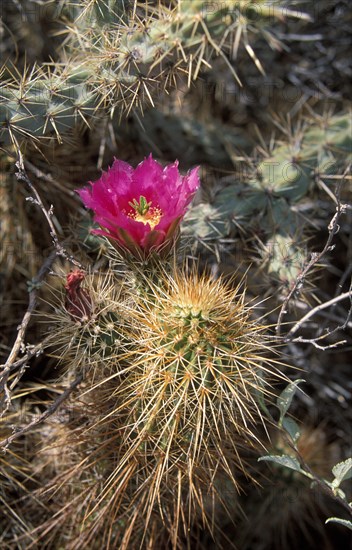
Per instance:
(118,56)
(198,352)
(87,332)
(43,104)
(265,199)
(185,402)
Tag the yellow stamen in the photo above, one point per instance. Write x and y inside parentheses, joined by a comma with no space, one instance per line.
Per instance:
(145,213)
(153,217)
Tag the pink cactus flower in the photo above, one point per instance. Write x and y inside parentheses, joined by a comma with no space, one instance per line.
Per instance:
(140,209)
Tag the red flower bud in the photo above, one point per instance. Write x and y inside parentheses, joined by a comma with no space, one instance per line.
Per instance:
(78,303)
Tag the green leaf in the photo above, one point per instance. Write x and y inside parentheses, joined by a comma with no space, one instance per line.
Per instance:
(342,471)
(291,428)
(346,522)
(285,398)
(286,461)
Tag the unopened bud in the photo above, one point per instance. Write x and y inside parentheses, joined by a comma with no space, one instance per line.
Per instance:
(78,303)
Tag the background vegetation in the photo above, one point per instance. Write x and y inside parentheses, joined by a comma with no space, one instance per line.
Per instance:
(257,94)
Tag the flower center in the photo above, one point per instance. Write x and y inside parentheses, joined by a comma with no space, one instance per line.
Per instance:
(144,212)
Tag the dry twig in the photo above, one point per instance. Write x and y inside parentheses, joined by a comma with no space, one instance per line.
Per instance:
(333,229)
(12,363)
(35,199)
(320,307)
(49,411)
(8,367)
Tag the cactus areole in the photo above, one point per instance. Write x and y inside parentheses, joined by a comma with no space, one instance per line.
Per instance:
(140,209)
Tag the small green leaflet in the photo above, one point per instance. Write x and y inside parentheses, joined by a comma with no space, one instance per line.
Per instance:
(287,461)
(285,398)
(342,471)
(292,428)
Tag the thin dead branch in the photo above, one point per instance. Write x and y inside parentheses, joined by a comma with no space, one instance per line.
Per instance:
(12,361)
(21,176)
(317,309)
(316,257)
(49,411)
(7,368)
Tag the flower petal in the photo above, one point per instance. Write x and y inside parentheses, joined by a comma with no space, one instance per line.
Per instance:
(114,196)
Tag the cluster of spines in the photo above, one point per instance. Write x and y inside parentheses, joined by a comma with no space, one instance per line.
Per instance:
(266,201)
(114,64)
(174,407)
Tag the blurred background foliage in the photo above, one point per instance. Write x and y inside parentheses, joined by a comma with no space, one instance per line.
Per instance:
(258,94)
